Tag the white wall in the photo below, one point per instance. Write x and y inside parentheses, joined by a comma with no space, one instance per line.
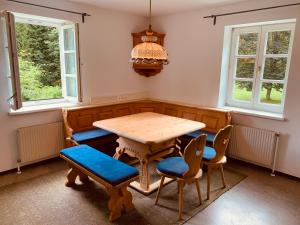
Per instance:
(193,75)
(105,45)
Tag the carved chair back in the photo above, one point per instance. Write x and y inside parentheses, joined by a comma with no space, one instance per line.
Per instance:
(221,142)
(193,154)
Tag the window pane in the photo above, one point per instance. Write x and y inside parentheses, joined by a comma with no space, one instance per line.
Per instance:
(248,44)
(245,68)
(39,62)
(271,93)
(242,90)
(278,42)
(275,68)
(70,63)
(71,86)
(69,39)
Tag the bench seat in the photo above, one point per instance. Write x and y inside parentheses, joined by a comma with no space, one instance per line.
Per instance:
(114,175)
(210,136)
(107,168)
(89,135)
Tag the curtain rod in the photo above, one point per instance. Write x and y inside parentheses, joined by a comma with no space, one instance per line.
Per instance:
(83,14)
(247,11)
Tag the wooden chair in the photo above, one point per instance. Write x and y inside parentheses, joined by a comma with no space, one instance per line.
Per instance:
(214,157)
(185,170)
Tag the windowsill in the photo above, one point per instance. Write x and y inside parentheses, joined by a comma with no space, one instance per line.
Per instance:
(251,112)
(42,108)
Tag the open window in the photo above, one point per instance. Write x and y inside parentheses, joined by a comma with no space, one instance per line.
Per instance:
(70,58)
(43,58)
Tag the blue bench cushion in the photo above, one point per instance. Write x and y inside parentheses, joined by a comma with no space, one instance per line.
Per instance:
(210,136)
(90,135)
(107,168)
(209,153)
(175,166)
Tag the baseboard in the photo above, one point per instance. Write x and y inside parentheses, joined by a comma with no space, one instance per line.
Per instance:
(32,164)
(265,169)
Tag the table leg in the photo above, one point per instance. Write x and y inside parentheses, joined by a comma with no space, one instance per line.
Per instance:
(144,175)
(146,154)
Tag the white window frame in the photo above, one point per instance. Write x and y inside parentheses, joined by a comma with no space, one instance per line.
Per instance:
(64,75)
(260,56)
(17,103)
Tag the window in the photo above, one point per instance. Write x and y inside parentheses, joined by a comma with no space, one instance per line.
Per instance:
(43,60)
(259,66)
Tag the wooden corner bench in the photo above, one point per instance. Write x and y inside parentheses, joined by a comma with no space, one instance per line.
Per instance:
(79,128)
(114,175)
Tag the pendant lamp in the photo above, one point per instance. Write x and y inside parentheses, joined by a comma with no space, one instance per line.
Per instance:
(149,52)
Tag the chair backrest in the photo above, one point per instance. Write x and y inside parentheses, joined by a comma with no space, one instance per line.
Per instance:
(221,142)
(193,154)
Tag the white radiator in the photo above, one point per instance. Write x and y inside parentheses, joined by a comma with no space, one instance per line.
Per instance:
(40,142)
(254,145)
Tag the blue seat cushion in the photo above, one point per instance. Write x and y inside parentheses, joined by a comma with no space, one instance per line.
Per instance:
(90,135)
(174,166)
(107,168)
(210,136)
(209,153)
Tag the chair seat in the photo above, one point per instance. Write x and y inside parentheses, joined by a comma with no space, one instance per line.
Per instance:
(174,166)
(107,168)
(209,153)
(90,135)
(210,136)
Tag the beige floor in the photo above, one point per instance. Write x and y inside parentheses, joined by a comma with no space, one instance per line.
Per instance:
(258,200)
(31,171)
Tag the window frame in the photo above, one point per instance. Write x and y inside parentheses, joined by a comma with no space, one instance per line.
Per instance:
(236,32)
(64,75)
(16,98)
(262,30)
(13,76)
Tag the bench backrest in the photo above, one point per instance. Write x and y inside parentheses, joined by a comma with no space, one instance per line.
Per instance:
(82,118)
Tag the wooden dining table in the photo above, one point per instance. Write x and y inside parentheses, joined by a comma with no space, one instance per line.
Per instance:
(147,136)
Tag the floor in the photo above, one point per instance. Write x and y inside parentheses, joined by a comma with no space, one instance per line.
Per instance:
(258,200)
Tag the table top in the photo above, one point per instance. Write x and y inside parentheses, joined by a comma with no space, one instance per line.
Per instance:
(149,127)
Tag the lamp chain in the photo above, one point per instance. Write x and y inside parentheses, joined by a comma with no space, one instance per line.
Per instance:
(150,12)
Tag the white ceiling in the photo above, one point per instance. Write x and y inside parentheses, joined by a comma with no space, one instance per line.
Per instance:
(159,7)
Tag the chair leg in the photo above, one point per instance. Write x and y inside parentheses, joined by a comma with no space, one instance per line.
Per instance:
(197,182)
(223,176)
(159,189)
(181,186)
(209,169)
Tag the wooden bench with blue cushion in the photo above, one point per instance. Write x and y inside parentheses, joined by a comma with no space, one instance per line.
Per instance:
(79,128)
(90,135)
(85,161)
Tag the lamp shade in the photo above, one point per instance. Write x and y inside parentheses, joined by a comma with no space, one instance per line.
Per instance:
(149,53)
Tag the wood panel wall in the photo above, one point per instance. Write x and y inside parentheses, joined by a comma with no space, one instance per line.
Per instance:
(81,118)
